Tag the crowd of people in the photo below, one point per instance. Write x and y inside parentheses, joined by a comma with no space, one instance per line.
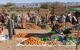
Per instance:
(53,21)
(39,20)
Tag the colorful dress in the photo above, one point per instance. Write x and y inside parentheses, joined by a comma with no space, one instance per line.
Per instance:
(23,22)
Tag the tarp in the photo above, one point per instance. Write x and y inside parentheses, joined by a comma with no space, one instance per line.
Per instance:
(74,9)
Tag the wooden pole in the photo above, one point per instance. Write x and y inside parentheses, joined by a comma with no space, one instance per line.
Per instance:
(77,41)
(9,29)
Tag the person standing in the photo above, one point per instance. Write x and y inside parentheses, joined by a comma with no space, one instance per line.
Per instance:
(74,20)
(53,19)
(19,19)
(36,19)
(23,21)
(46,19)
(68,20)
(9,26)
(27,18)
(2,20)
(40,20)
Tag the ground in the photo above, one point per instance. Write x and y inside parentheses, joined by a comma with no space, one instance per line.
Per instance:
(11,44)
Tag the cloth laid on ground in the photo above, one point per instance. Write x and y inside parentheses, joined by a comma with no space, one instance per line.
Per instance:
(4,37)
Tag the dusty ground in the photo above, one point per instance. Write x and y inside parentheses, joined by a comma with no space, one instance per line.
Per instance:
(11,44)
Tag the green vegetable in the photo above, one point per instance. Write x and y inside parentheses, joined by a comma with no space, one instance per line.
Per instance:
(52,32)
(57,38)
(45,39)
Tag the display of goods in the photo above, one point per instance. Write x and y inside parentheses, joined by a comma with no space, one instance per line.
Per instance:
(22,35)
(33,41)
(45,39)
(74,40)
(70,43)
(57,38)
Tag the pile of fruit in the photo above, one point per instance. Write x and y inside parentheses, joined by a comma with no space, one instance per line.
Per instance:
(34,41)
(21,35)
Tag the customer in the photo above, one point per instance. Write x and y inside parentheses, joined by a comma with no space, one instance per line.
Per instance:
(46,19)
(19,19)
(74,20)
(23,21)
(53,19)
(27,18)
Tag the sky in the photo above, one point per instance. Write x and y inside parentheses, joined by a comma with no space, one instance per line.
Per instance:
(35,1)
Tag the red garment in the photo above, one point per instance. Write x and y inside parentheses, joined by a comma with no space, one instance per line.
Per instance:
(23,22)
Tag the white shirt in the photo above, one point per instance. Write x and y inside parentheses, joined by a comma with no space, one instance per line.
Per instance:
(74,18)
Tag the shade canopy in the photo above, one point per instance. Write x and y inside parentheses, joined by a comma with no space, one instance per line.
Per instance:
(74,9)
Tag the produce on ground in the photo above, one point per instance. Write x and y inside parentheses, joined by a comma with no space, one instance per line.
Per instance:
(22,35)
(45,39)
(34,41)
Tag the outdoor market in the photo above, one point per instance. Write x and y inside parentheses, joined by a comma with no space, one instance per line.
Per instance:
(40,28)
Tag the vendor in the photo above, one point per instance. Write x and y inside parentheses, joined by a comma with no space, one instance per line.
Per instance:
(56,28)
(74,19)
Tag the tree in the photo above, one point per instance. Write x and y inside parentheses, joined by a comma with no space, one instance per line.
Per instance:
(45,6)
(52,9)
(59,8)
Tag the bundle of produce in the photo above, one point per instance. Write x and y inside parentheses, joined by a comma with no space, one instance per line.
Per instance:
(55,37)
(45,39)
(63,39)
(33,41)
(72,41)
(22,35)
